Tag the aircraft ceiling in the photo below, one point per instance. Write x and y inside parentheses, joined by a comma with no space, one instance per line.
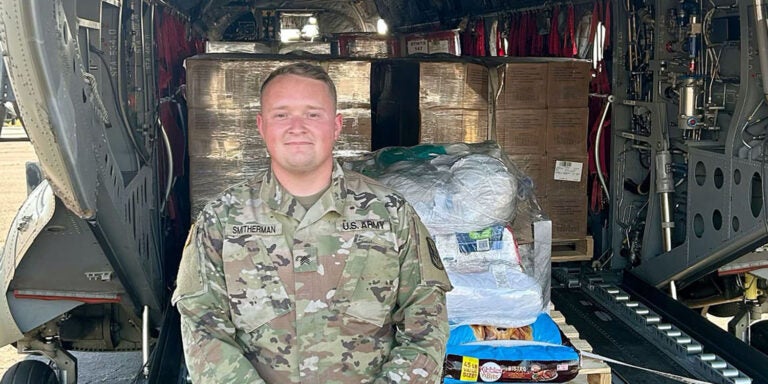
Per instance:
(349,15)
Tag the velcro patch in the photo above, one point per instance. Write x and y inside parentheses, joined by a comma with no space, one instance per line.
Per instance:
(362,225)
(256,229)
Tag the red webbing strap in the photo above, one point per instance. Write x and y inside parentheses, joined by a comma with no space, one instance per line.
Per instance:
(514,37)
(480,38)
(467,47)
(500,51)
(537,40)
(522,35)
(569,41)
(554,35)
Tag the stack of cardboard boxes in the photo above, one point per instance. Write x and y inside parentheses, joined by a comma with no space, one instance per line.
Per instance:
(541,122)
(536,111)
(453,102)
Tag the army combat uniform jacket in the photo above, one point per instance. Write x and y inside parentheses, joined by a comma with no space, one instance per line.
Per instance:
(351,290)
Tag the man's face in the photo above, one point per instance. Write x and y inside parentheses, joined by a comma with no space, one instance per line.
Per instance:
(299,124)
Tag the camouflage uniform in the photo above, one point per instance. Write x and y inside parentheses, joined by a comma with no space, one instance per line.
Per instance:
(349,291)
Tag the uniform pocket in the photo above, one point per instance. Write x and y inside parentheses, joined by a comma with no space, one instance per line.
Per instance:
(256,293)
(371,279)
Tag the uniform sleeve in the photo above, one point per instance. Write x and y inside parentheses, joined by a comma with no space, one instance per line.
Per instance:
(208,334)
(421,317)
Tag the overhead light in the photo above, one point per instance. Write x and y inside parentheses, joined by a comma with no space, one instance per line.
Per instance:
(381,27)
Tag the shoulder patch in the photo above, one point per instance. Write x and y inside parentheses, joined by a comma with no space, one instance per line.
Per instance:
(189,281)
(434,255)
(432,269)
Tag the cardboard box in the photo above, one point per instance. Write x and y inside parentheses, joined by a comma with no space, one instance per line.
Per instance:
(568,84)
(224,148)
(364,44)
(355,130)
(433,42)
(567,130)
(304,47)
(532,166)
(566,175)
(525,86)
(453,85)
(453,126)
(568,215)
(522,131)
(237,47)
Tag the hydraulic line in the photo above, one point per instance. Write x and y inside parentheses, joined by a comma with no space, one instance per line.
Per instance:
(169,154)
(600,176)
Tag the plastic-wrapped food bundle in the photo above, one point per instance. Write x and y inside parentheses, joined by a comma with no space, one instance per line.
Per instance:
(502,296)
(440,177)
(454,188)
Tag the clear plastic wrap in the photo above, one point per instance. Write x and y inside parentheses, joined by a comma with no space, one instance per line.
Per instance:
(453,187)
(503,296)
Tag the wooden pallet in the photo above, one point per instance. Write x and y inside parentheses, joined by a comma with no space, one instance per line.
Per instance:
(592,371)
(572,249)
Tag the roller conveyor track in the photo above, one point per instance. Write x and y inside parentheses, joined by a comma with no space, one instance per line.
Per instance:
(611,337)
(637,324)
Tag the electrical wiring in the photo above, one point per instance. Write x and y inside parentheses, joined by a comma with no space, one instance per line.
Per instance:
(100,54)
(141,152)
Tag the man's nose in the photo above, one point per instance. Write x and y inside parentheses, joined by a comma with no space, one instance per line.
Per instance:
(297,123)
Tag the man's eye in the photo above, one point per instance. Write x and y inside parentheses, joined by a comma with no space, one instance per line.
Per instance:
(314,115)
(280,115)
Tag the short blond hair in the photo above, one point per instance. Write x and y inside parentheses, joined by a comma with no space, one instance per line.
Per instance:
(307,70)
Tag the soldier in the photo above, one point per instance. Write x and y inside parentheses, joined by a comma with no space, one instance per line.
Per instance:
(309,273)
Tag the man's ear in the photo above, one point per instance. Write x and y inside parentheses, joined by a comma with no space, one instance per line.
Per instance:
(338,122)
(260,124)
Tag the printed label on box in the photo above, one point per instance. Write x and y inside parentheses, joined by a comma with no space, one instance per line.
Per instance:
(439,46)
(568,171)
(418,46)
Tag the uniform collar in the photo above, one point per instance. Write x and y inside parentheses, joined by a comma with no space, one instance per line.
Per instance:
(279,200)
